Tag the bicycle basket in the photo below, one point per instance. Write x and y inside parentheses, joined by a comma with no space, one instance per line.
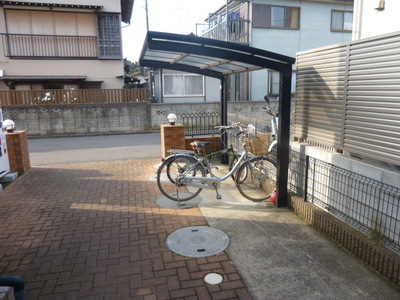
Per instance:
(258,144)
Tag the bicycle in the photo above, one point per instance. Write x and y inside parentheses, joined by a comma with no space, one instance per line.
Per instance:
(272,148)
(255,177)
(200,151)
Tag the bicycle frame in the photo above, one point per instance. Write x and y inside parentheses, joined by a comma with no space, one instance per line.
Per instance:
(212,182)
(203,162)
(274,125)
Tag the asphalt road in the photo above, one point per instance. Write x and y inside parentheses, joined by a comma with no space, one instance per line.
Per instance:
(53,151)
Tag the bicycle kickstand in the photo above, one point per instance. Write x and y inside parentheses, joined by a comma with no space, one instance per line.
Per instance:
(216,190)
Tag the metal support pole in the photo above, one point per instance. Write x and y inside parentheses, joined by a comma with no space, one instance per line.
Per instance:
(284,136)
(224,115)
(306,177)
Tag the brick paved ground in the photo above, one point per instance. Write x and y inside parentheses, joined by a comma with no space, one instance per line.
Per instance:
(93,231)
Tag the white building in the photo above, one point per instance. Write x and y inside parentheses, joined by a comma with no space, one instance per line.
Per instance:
(375,17)
(282,26)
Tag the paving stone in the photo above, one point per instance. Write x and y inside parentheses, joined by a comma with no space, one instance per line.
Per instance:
(93,230)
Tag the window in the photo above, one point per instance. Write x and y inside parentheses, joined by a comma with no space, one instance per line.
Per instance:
(183,85)
(50,23)
(274,83)
(109,33)
(342,21)
(271,16)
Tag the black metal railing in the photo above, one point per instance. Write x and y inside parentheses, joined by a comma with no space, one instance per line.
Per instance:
(49,46)
(370,206)
(200,123)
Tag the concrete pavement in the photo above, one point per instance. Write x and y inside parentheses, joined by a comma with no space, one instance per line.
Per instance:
(65,150)
(279,256)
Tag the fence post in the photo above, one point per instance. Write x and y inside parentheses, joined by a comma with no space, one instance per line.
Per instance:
(306,177)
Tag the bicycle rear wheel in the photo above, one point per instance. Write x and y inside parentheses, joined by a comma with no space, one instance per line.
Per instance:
(169,172)
(260,180)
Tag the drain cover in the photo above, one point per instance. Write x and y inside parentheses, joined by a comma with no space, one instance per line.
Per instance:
(165,202)
(197,241)
(213,278)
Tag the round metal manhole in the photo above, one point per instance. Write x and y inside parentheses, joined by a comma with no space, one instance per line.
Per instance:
(197,241)
(165,202)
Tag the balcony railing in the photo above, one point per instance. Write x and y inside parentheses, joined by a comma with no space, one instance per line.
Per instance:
(49,46)
(236,31)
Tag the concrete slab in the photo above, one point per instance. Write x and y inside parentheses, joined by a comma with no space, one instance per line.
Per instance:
(279,256)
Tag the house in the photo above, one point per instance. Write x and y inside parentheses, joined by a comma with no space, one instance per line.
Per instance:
(285,27)
(62,44)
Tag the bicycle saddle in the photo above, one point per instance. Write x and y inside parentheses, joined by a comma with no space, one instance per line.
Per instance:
(200,144)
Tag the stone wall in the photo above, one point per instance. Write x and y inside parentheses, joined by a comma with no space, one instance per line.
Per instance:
(89,119)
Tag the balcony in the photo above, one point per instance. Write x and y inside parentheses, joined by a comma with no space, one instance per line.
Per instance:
(34,46)
(235,31)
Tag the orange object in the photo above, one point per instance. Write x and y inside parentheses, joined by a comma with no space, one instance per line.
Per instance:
(273,198)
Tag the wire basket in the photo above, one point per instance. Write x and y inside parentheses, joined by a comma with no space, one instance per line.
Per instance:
(257,144)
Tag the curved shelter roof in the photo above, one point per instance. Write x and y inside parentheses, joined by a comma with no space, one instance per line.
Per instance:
(208,57)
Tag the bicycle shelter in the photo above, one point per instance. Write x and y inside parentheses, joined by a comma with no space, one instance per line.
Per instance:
(218,59)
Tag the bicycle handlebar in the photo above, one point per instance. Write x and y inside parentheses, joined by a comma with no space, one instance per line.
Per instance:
(232,126)
(269,111)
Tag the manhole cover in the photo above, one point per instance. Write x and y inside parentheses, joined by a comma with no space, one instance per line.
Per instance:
(213,278)
(197,241)
(165,202)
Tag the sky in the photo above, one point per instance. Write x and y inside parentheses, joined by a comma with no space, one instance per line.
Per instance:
(174,16)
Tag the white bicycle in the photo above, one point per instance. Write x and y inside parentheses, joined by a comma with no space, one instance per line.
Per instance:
(255,178)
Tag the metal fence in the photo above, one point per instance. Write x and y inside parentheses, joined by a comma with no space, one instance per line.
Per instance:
(200,123)
(80,96)
(368,205)
(347,97)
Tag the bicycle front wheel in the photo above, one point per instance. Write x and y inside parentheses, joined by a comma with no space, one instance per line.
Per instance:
(260,180)
(169,172)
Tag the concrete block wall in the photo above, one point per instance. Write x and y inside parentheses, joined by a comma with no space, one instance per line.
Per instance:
(80,119)
(87,119)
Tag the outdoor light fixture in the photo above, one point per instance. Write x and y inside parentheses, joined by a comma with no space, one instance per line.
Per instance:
(171,119)
(9,125)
